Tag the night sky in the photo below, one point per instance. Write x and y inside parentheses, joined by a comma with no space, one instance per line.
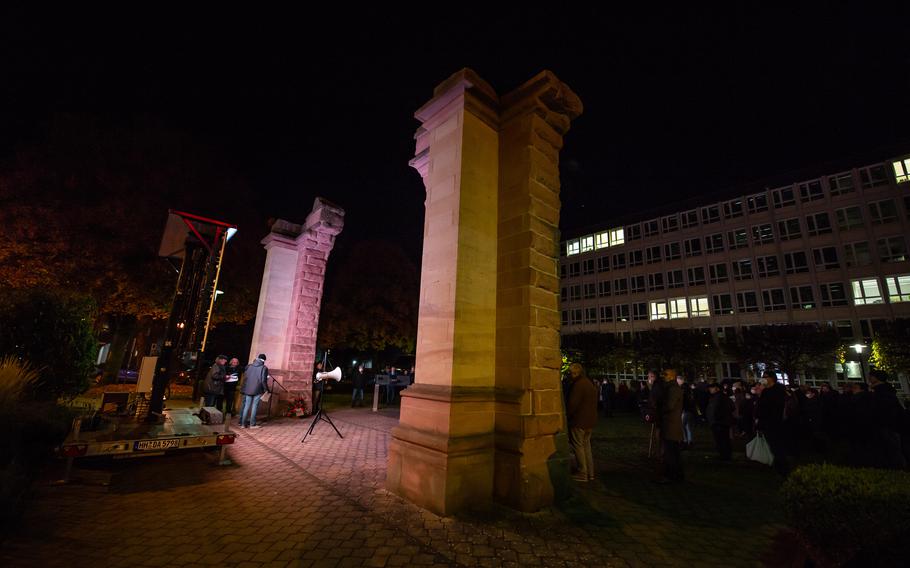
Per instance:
(677,103)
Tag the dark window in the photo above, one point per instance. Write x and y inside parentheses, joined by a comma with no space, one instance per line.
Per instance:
(710,214)
(737,238)
(603,264)
(693,247)
(818,224)
(714,243)
(718,273)
(722,304)
(742,269)
(768,266)
(696,276)
(671,251)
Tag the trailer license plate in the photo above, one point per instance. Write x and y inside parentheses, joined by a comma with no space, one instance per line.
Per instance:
(156,444)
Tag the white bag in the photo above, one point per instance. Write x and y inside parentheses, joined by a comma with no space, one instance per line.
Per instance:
(266,396)
(759,450)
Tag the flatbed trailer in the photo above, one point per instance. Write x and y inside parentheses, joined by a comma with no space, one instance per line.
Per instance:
(126,437)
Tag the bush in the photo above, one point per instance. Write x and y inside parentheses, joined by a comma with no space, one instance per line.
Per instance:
(54,332)
(845,514)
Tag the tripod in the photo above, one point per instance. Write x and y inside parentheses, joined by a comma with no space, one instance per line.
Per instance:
(321,414)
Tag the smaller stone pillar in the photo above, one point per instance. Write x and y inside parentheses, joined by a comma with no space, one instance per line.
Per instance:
(290,298)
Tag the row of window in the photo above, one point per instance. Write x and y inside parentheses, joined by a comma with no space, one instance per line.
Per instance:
(890,249)
(865,291)
(813,190)
(880,212)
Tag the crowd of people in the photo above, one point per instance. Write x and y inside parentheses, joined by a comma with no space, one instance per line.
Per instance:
(864,424)
(219,388)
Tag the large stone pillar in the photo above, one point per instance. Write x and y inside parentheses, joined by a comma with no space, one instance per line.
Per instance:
(531,450)
(291,295)
(443,454)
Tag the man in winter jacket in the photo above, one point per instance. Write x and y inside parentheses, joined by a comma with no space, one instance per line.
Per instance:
(665,407)
(213,385)
(581,412)
(720,419)
(255,384)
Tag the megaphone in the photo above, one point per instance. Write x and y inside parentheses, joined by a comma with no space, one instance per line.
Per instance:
(334,374)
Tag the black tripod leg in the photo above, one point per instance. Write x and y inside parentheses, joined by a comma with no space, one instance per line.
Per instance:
(325,416)
(312,426)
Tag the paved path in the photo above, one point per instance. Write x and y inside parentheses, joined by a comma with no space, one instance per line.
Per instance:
(323,503)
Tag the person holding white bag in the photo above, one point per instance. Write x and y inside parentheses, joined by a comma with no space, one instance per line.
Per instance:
(769,413)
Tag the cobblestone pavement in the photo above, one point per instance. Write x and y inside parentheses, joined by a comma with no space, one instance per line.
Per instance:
(323,503)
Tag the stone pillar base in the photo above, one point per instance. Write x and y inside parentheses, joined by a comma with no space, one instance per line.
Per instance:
(443,471)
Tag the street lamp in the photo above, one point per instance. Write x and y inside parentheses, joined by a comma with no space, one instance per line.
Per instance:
(859,348)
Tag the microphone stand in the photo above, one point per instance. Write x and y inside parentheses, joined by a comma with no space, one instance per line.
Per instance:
(321,414)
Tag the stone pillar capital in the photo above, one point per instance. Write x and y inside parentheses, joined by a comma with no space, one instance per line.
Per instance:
(546,95)
(274,240)
(326,218)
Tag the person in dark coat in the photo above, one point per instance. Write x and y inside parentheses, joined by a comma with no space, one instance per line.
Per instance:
(231,380)
(359,379)
(886,422)
(581,414)
(769,414)
(720,418)
(213,385)
(665,412)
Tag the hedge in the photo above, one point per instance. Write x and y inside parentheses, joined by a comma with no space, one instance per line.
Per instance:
(847,514)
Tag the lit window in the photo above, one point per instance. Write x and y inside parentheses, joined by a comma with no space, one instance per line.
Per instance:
(587,244)
(833,294)
(841,183)
(678,308)
(811,191)
(892,249)
(849,217)
(773,300)
(898,288)
(602,240)
(698,307)
(658,310)
(802,298)
(617,237)
(901,170)
(737,238)
(762,234)
(873,176)
(573,247)
(866,291)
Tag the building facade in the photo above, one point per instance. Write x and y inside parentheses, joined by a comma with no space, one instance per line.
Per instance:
(831,250)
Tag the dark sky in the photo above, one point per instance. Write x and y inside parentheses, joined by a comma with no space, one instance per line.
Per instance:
(677,103)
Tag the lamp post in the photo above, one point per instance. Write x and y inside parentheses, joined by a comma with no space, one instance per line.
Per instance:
(859,348)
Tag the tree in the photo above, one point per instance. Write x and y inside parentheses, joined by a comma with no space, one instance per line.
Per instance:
(678,348)
(891,347)
(52,332)
(600,353)
(789,348)
(371,300)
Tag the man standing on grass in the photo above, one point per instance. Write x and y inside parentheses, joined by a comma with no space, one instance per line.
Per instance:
(581,412)
(665,406)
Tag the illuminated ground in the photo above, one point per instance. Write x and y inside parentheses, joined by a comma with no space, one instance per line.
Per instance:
(323,504)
